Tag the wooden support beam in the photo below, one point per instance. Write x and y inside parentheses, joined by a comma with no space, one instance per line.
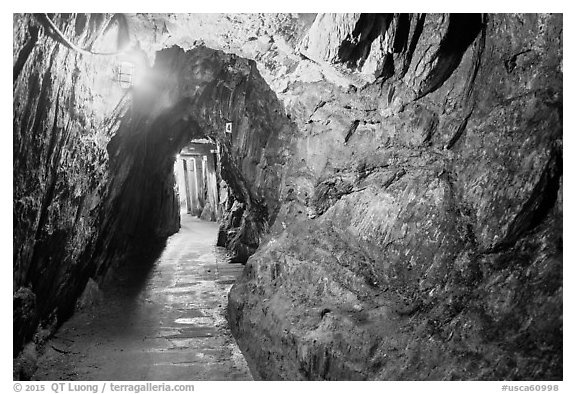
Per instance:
(187,187)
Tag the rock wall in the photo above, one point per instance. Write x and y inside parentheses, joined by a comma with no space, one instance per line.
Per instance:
(63,103)
(420,234)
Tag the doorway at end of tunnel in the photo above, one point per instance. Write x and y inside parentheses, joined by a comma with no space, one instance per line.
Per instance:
(197,180)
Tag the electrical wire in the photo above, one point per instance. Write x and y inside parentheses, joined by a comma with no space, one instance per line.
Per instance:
(71,45)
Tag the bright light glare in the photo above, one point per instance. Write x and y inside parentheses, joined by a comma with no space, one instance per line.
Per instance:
(131,69)
(126,72)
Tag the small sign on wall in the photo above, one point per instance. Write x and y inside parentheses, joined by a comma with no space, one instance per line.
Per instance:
(229,127)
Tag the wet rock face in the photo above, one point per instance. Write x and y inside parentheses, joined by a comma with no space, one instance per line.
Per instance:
(61,103)
(422,226)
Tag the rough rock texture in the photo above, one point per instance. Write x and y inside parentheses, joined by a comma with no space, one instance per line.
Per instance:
(61,103)
(423,217)
(398,176)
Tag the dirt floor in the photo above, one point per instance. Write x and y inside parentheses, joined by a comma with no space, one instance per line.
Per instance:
(158,321)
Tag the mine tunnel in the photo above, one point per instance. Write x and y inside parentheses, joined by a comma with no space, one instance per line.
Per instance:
(287,196)
(197,183)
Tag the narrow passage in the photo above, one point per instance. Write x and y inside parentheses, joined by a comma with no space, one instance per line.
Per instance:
(164,322)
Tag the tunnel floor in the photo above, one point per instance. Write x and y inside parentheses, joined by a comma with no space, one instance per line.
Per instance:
(165,324)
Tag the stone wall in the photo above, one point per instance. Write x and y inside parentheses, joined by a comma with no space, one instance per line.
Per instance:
(63,106)
(420,234)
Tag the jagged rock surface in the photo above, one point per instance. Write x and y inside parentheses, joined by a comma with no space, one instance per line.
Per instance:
(424,229)
(61,105)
